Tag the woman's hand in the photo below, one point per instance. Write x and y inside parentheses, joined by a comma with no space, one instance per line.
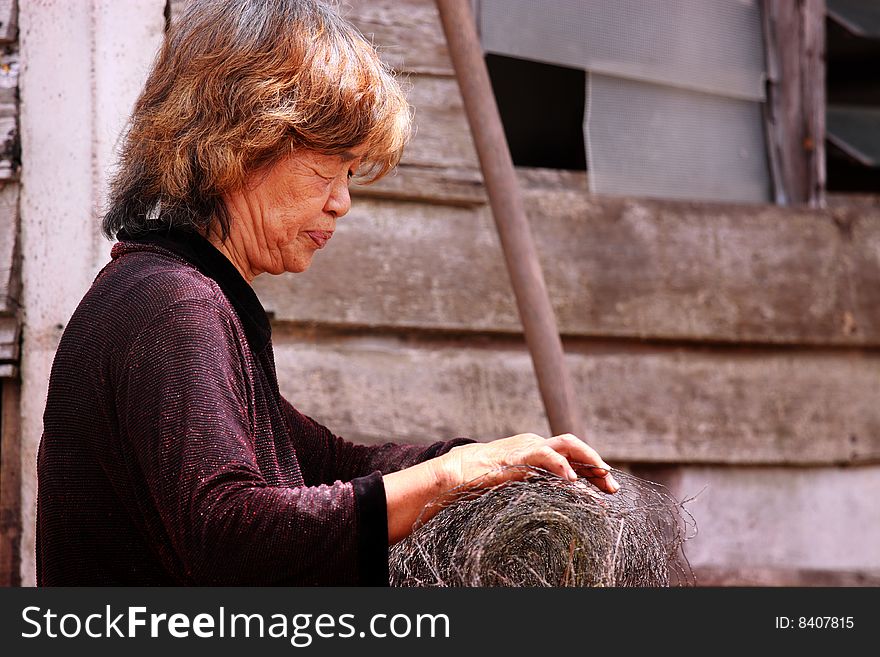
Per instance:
(415,492)
(485,464)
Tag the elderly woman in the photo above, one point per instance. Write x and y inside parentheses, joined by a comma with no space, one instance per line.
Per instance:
(169,456)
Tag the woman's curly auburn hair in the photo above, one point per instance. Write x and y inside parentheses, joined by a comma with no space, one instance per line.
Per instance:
(237,86)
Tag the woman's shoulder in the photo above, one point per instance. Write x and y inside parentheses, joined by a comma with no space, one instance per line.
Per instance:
(144,285)
(149,276)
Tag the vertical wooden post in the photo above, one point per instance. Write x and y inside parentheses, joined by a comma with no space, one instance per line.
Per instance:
(10,484)
(523,266)
(795,45)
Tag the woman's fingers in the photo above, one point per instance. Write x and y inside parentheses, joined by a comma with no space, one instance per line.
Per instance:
(589,462)
(577,450)
(553,461)
(563,455)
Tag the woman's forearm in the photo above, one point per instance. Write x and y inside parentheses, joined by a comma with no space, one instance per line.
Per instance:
(408,491)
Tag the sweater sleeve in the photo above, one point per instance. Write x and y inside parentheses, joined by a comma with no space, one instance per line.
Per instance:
(185,420)
(329,458)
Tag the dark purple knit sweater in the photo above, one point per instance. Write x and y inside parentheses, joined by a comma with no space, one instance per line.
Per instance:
(169,457)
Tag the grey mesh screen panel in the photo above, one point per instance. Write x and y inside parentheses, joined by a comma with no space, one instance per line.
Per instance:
(708,45)
(649,140)
(676,93)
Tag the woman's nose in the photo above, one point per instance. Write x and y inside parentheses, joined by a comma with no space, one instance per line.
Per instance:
(339,201)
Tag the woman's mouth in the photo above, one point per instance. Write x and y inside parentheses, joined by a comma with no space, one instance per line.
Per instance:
(320,237)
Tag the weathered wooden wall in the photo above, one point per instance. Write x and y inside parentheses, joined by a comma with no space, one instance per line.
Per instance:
(699,332)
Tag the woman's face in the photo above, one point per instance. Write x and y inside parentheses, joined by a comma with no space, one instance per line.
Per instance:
(285,214)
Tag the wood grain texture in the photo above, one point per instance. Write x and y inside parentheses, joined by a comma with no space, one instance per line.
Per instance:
(10,287)
(441,185)
(406,32)
(614,267)
(795,33)
(9,340)
(640,405)
(442,137)
(10,483)
(451,186)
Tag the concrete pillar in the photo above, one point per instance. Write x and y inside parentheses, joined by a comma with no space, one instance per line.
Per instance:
(83,64)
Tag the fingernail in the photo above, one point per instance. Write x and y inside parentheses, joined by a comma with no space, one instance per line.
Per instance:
(613,482)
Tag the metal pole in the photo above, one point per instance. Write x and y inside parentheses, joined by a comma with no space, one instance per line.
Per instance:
(536,313)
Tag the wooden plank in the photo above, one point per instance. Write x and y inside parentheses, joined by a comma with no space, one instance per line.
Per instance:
(8,21)
(443,138)
(754,576)
(406,32)
(9,340)
(614,267)
(451,186)
(9,267)
(447,186)
(641,405)
(10,483)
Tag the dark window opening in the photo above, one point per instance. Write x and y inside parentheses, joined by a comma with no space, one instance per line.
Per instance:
(542,109)
(853,96)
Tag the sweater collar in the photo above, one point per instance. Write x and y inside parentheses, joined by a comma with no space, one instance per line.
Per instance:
(201,254)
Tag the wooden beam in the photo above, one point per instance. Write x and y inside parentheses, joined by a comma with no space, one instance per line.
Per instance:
(10,483)
(464,187)
(620,268)
(795,45)
(658,405)
(443,185)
